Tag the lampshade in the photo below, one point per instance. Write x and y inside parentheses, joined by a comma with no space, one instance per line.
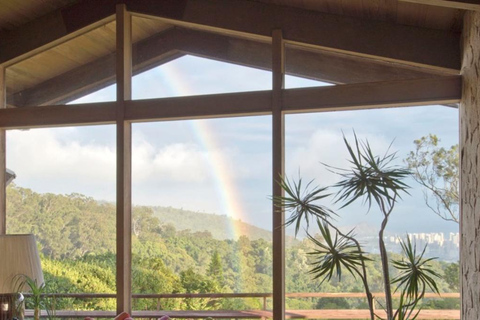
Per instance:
(18,256)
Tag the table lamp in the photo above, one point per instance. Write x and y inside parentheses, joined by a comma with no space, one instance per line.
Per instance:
(18,256)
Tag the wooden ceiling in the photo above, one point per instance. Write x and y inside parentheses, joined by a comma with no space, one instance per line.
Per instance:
(14,13)
(57,50)
(399,12)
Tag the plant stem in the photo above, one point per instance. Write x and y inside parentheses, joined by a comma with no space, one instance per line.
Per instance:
(36,314)
(363,274)
(384,259)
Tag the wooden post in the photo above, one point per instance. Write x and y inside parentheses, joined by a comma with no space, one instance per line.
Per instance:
(3,161)
(124,163)
(278,164)
(470,169)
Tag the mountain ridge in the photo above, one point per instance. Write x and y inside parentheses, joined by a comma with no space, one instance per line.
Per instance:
(226,227)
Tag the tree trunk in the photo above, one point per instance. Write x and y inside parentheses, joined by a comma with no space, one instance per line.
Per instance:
(470,169)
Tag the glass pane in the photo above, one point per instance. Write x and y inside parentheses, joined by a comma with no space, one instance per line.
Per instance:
(64,73)
(315,151)
(171,61)
(202,217)
(64,193)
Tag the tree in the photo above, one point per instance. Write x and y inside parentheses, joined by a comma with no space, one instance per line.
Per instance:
(215,269)
(452,276)
(374,180)
(193,282)
(436,169)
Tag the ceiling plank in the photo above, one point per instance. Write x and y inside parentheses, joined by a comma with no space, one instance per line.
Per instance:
(455,4)
(54,28)
(441,90)
(383,40)
(97,74)
(171,44)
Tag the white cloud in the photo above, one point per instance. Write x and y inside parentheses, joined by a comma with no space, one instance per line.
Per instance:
(325,147)
(44,162)
(182,163)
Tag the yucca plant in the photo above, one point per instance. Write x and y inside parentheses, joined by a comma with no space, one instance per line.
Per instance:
(37,299)
(415,276)
(373,180)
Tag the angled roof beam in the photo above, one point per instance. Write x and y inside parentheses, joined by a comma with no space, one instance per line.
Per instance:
(319,65)
(381,40)
(455,4)
(444,90)
(168,45)
(97,74)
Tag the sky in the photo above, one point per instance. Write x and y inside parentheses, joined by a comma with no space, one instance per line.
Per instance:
(223,166)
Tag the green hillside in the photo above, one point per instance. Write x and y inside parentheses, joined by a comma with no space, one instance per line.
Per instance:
(76,236)
(221,227)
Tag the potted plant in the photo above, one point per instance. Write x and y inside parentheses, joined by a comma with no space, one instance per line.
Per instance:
(37,299)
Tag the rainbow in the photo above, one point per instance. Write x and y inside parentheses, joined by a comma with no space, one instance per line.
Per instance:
(225,184)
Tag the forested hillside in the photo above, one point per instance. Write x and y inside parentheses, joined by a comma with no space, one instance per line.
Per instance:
(76,235)
(220,226)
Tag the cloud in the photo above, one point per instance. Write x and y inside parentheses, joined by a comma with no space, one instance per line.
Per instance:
(181,162)
(45,163)
(313,151)
(170,163)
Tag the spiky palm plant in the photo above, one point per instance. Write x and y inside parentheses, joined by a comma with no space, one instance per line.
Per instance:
(372,179)
(302,203)
(415,276)
(37,299)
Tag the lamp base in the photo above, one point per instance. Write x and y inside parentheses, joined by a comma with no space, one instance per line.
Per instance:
(7,306)
(10,306)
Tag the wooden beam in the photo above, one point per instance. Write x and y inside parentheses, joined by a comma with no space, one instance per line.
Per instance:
(473,5)
(382,40)
(441,90)
(124,161)
(51,116)
(54,28)
(320,65)
(169,45)
(200,107)
(278,171)
(3,160)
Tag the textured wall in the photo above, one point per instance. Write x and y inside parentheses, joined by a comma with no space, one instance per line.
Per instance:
(470,169)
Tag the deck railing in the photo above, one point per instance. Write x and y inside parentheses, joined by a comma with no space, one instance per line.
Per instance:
(262,313)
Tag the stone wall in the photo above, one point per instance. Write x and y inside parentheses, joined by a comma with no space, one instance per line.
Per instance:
(470,169)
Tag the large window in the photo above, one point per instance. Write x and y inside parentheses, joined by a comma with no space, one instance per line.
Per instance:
(315,151)
(64,193)
(201,182)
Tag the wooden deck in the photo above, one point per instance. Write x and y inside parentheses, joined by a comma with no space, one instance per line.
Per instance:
(251,314)
(246,314)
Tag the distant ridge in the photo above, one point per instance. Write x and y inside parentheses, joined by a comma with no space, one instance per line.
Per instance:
(221,227)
